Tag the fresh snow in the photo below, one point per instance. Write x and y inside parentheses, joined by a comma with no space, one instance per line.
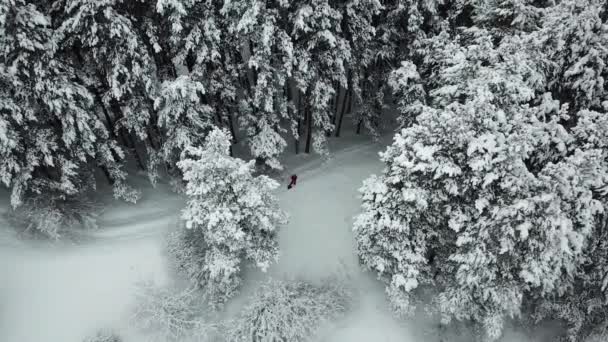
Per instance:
(62,293)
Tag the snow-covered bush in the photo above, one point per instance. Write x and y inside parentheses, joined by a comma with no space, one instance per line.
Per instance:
(231,217)
(289,311)
(104,335)
(170,316)
(51,216)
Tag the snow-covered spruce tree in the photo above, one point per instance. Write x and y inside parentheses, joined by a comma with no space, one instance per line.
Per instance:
(505,16)
(184,119)
(401,29)
(267,59)
(231,218)
(574,41)
(204,47)
(406,86)
(322,56)
(468,204)
(288,311)
(51,140)
(363,93)
(109,43)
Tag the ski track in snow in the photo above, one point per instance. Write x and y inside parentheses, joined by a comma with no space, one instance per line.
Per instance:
(61,294)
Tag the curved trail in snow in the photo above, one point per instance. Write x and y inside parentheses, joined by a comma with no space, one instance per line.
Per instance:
(61,294)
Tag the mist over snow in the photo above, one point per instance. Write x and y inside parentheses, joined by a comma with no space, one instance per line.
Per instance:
(310,170)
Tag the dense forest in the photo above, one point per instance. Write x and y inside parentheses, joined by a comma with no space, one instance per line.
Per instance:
(495,188)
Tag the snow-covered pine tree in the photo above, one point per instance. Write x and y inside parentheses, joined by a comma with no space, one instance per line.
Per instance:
(465,203)
(51,138)
(401,32)
(231,218)
(358,29)
(407,88)
(574,43)
(115,57)
(505,16)
(267,56)
(322,57)
(208,52)
(184,119)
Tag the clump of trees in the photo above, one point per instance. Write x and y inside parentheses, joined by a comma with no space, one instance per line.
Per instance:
(494,191)
(89,85)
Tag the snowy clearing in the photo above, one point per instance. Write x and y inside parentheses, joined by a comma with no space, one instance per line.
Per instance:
(62,293)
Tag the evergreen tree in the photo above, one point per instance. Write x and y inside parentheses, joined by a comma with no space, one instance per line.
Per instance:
(231,217)
(102,39)
(51,138)
(184,119)
(485,197)
(322,58)
(267,62)
(207,50)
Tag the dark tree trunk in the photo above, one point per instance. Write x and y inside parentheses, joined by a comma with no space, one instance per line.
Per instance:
(109,121)
(218,117)
(190,61)
(339,127)
(308,128)
(107,174)
(126,136)
(254,73)
(232,130)
(350,102)
(299,123)
(336,105)
(133,147)
(297,140)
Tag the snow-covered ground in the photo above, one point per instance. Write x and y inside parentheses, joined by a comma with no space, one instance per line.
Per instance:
(62,293)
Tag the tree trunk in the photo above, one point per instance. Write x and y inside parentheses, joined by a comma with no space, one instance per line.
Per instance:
(232,130)
(107,174)
(299,123)
(190,61)
(138,158)
(350,102)
(336,105)
(126,137)
(308,128)
(218,116)
(339,127)
(297,140)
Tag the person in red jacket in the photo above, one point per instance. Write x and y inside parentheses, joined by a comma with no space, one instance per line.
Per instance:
(294,178)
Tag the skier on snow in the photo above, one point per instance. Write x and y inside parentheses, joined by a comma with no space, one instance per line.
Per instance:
(294,178)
